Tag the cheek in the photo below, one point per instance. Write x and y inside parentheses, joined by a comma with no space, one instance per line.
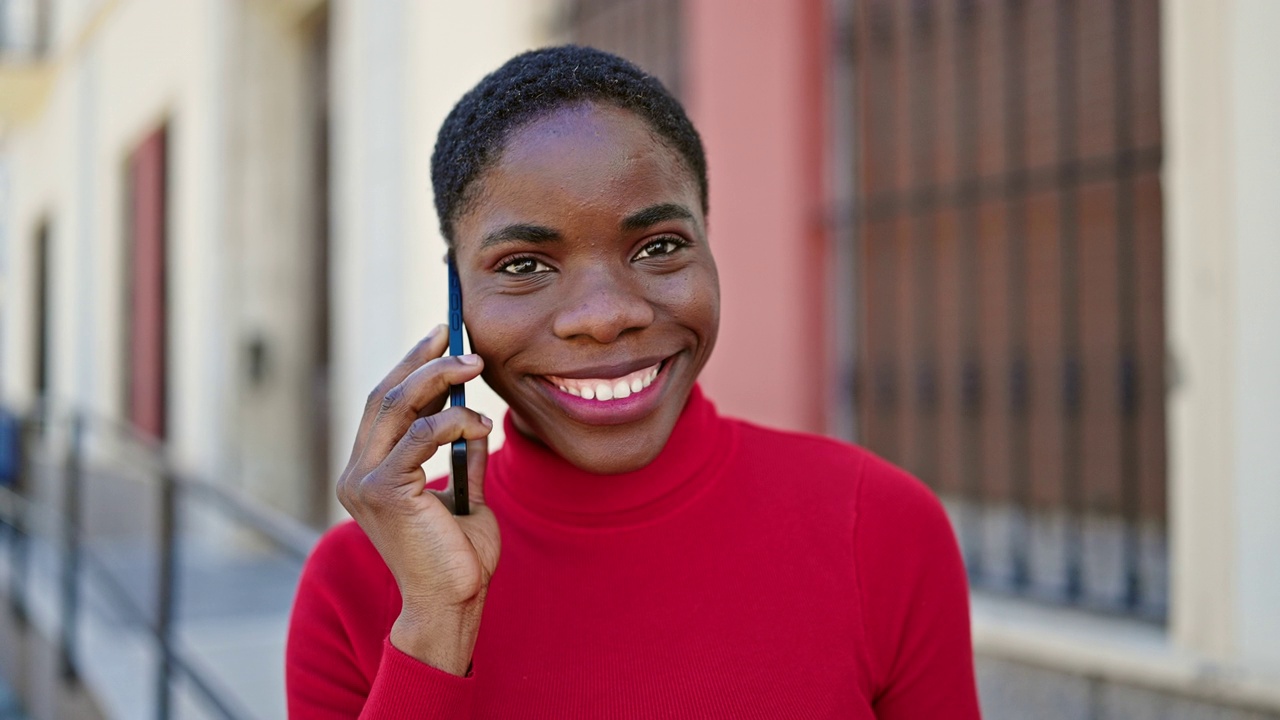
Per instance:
(693,300)
(500,327)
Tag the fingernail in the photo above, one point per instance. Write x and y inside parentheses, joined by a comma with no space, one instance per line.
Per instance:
(487,422)
(436,331)
(471,359)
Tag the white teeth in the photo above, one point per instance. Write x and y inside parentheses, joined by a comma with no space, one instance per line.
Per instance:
(606,390)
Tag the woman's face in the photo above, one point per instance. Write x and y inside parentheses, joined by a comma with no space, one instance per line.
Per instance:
(589,288)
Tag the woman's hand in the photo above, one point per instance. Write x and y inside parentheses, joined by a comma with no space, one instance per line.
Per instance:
(442,563)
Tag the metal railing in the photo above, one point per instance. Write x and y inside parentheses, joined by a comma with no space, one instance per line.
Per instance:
(80,564)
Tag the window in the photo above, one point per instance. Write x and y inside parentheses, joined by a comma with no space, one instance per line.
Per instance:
(1007,216)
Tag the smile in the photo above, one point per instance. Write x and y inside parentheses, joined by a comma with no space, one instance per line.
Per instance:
(610,395)
(607,389)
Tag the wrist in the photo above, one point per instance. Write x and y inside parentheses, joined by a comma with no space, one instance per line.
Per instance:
(445,640)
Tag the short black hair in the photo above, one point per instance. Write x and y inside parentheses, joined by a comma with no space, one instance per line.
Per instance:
(532,85)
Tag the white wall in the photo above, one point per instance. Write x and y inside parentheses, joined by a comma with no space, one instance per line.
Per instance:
(228,78)
(269,251)
(135,94)
(1222,188)
(68,164)
(1199,251)
(1256,296)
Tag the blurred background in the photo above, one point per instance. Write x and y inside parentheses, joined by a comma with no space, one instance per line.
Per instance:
(1024,248)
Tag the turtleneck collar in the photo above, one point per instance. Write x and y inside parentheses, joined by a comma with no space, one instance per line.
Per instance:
(546,485)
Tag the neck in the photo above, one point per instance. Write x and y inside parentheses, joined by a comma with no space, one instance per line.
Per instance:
(546,485)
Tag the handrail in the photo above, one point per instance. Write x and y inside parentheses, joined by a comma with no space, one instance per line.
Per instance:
(124,602)
(288,535)
(285,534)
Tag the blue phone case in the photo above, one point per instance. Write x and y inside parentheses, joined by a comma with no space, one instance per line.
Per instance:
(457,394)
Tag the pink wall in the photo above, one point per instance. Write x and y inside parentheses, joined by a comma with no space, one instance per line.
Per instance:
(754,74)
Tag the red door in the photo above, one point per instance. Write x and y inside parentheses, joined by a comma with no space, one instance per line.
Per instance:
(146,367)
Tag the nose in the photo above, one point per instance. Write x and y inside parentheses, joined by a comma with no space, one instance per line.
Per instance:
(600,305)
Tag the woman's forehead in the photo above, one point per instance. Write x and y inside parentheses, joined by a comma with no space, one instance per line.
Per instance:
(595,159)
(589,126)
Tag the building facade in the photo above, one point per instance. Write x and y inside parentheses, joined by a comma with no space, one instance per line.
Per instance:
(219,221)
(1021,248)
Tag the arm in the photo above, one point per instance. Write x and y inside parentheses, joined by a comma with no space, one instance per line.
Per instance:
(915,599)
(340,661)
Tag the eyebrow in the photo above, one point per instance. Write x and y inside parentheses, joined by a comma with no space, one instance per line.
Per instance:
(519,232)
(539,234)
(655,214)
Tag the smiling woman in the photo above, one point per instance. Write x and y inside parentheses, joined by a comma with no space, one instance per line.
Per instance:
(657,559)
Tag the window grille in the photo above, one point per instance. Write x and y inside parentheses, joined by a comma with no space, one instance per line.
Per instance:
(1007,217)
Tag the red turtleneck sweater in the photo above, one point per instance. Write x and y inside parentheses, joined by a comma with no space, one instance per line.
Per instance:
(745,573)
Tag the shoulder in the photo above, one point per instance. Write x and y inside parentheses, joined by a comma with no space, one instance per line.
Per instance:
(797,450)
(343,538)
(836,482)
(346,602)
(890,506)
(873,483)
(911,578)
(910,585)
(346,573)
(343,553)
(895,504)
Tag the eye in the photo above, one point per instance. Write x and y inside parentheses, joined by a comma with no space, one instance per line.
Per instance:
(661,246)
(523,266)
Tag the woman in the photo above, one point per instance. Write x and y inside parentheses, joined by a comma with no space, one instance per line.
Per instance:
(657,559)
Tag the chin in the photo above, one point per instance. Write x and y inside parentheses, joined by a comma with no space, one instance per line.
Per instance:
(609,458)
(602,449)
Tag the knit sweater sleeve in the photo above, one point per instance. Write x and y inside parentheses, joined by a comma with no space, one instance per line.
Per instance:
(340,662)
(915,600)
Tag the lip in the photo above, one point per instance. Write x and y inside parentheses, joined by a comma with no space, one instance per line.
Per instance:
(616,370)
(614,412)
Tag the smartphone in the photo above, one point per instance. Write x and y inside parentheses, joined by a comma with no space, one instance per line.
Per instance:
(457,393)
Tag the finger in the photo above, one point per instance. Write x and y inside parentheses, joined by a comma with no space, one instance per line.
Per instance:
(425,435)
(477,461)
(420,395)
(431,346)
(446,499)
(481,528)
